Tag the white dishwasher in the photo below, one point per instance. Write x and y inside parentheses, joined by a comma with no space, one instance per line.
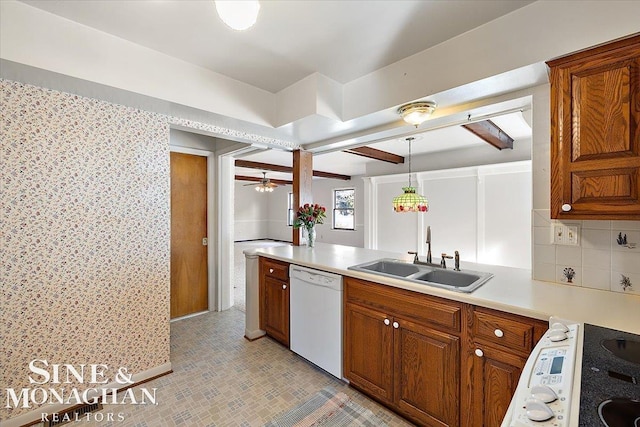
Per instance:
(315,322)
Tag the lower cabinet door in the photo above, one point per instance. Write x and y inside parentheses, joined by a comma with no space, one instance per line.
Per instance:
(495,374)
(276,309)
(368,361)
(427,374)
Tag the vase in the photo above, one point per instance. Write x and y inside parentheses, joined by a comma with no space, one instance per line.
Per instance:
(311,236)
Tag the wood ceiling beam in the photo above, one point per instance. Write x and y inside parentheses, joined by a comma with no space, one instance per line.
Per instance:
(277,168)
(374,153)
(491,133)
(256,179)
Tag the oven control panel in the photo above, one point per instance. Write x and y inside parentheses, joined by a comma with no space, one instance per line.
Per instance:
(543,395)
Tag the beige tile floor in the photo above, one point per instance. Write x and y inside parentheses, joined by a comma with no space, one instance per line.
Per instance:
(221,379)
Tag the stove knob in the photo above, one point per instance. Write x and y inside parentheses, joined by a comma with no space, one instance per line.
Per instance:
(556,336)
(557,326)
(537,410)
(543,393)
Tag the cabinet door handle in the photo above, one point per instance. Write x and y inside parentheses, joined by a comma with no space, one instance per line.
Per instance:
(498,333)
(271,270)
(387,322)
(284,286)
(479,352)
(396,325)
(566,207)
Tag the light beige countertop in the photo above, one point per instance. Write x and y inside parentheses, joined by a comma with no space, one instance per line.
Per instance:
(511,289)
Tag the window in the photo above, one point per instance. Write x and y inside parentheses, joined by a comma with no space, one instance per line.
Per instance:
(290,211)
(344,201)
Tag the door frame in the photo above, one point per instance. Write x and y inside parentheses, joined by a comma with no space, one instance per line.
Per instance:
(211,223)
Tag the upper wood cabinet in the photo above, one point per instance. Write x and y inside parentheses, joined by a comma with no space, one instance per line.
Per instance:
(595,135)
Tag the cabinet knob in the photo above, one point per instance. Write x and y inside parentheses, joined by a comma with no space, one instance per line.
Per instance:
(284,286)
(479,352)
(387,322)
(271,270)
(498,333)
(396,325)
(566,207)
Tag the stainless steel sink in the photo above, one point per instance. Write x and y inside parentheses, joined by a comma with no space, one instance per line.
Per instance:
(448,277)
(391,268)
(462,281)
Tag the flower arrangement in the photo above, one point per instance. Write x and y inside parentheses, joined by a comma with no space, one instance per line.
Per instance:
(309,215)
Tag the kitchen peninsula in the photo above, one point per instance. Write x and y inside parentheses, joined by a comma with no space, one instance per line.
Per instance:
(511,289)
(473,345)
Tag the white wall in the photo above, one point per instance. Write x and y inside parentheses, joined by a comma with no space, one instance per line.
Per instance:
(323,195)
(251,210)
(483,212)
(277,228)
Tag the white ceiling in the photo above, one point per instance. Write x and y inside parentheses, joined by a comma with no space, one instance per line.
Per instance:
(444,139)
(342,40)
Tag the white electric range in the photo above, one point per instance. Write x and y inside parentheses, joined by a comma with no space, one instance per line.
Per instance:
(579,375)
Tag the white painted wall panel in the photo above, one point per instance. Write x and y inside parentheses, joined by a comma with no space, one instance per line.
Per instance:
(452,216)
(397,232)
(507,220)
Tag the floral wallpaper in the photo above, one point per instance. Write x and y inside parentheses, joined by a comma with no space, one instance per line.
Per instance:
(84,234)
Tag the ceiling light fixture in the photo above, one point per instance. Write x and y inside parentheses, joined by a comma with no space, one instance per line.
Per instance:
(417,113)
(409,200)
(265,184)
(239,15)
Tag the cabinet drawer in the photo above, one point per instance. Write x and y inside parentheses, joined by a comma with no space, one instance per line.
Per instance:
(415,306)
(510,331)
(275,269)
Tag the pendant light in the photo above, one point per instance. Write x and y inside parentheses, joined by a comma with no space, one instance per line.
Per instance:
(409,200)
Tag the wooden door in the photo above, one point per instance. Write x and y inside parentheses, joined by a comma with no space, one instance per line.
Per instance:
(368,348)
(595,132)
(495,376)
(189,285)
(275,305)
(426,374)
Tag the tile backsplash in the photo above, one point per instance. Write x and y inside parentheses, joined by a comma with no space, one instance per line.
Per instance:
(598,261)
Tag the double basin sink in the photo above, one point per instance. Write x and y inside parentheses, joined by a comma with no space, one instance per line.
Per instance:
(460,281)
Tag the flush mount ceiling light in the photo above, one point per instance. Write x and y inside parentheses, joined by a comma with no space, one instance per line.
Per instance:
(238,15)
(409,200)
(417,113)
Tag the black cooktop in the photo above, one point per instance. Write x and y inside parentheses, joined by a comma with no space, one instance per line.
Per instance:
(610,387)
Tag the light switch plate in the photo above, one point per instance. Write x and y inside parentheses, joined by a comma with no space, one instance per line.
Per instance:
(558,234)
(565,234)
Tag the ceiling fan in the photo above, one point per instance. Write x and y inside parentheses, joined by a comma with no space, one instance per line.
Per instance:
(265,184)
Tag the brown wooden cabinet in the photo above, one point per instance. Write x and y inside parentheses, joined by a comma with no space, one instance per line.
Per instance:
(274,299)
(496,349)
(595,132)
(368,349)
(395,352)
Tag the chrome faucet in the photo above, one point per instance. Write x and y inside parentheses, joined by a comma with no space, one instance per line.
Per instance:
(416,260)
(443,260)
(457,261)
